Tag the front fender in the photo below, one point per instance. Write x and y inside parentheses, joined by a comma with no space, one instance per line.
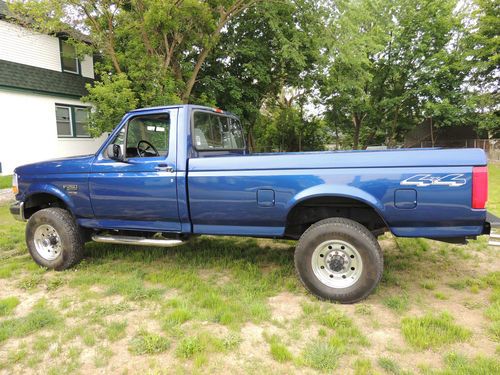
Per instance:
(45,188)
(344,191)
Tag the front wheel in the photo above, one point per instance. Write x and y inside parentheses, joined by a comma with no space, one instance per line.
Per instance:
(53,239)
(339,260)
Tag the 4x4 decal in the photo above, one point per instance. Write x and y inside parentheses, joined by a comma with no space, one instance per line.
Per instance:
(423,180)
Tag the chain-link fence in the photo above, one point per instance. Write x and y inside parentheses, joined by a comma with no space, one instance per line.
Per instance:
(490,146)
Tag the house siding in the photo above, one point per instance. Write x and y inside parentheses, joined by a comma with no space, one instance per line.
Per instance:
(29,133)
(24,46)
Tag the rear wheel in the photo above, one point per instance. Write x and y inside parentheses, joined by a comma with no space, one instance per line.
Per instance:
(53,239)
(339,260)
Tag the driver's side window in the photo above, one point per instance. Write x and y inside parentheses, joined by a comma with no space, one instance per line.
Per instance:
(147,136)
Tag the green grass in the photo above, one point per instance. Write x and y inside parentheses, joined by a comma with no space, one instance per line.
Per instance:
(148,343)
(363,366)
(457,364)
(115,331)
(494,189)
(278,350)
(7,305)
(320,355)
(41,317)
(199,345)
(398,303)
(432,331)
(5,182)
(391,367)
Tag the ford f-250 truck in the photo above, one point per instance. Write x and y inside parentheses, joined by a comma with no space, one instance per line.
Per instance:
(168,173)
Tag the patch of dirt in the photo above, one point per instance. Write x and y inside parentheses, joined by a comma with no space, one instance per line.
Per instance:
(6,196)
(286,306)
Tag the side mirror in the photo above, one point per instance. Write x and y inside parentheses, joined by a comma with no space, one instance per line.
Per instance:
(115,152)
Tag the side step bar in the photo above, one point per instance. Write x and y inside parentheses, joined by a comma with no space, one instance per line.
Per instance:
(141,241)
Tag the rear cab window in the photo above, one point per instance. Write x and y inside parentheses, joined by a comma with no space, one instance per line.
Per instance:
(216,132)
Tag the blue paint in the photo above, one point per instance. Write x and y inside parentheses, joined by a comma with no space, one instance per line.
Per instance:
(236,193)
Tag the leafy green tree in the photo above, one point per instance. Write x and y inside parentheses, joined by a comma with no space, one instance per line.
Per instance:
(159,46)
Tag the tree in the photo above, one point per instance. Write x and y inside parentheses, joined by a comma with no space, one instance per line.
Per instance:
(159,46)
(263,51)
(394,65)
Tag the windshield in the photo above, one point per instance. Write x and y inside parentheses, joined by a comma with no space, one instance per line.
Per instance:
(212,131)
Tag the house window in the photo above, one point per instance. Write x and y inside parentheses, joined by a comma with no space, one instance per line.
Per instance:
(69,60)
(72,121)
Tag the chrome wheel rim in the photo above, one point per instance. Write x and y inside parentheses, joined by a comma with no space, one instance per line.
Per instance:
(337,264)
(47,242)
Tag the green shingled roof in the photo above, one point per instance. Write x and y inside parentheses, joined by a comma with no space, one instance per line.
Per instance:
(26,77)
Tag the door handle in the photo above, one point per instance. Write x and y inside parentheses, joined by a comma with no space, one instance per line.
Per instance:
(164,168)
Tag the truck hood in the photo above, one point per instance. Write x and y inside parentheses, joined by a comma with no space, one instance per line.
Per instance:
(73,164)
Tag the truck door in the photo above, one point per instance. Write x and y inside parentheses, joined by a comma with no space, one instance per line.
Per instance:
(140,191)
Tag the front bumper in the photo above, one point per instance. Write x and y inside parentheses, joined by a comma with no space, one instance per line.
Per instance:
(17,210)
(494,229)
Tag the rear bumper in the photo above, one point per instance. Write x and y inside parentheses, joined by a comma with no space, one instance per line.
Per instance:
(492,226)
(17,210)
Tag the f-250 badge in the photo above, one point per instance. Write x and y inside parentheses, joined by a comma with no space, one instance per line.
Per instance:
(423,180)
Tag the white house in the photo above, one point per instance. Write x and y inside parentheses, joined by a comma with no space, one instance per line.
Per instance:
(41,84)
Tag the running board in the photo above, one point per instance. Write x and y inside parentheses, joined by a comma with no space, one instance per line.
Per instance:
(141,241)
(494,240)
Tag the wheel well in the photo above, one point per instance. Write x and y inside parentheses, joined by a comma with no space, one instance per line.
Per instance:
(312,210)
(37,202)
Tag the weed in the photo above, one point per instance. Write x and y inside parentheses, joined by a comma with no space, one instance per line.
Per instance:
(432,331)
(363,309)
(321,355)
(457,364)
(176,317)
(398,303)
(363,366)
(148,343)
(440,295)
(115,330)
(428,284)
(30,282)
(391,366)
(7,305)
(278,350)
(189,346)
(103,354)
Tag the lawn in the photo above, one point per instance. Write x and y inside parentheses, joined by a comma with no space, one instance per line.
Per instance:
(221,305)
(5,182)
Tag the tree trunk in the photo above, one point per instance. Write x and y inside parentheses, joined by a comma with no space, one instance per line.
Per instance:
(356,120)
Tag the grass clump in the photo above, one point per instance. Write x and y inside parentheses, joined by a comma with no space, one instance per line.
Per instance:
(176,318)
(7,305)
(428,284)
(391,367)
(115,331)
(41,317)
(398,303)
(148,343)
(320,355)
(363,366)
(457,364)
(278,350)
(197,346)
(432,331)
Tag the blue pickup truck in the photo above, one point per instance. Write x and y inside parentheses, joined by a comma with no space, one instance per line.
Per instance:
(166,174)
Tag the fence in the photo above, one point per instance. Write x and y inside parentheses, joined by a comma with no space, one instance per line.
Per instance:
(490,146)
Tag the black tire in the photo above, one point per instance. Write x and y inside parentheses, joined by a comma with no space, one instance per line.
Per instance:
(69,244)
(352,233)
